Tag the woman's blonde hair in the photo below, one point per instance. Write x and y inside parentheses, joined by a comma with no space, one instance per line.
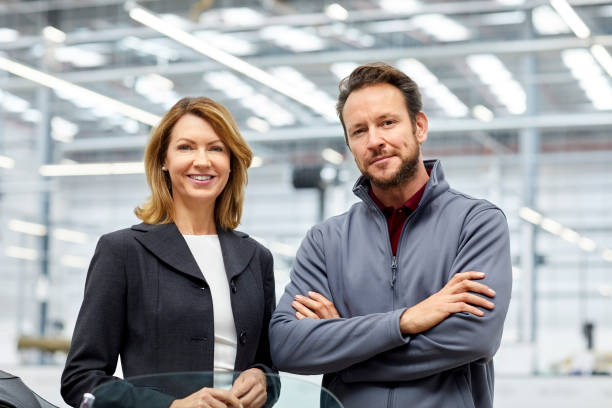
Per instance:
(158,209)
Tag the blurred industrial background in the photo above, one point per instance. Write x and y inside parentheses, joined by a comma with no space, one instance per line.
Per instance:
(519,96)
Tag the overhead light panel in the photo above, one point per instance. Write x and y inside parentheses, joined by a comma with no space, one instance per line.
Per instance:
(91,169)
(256,162)
(571,18)
(547,21)
(336,12)
(67,235)
(21,253)
(8,35)
(54,34)
(492,72)
(602,56)
(332,156)
(25,227)
(150,20)
(258,124)
(590,76)
(342,69)
(6,162)
(61,85)
(433,88)
(441,27)
(482,113)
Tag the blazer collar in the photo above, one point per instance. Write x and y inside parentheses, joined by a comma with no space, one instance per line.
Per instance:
(166,243)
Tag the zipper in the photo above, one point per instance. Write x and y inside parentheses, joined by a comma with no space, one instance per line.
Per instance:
(393,271)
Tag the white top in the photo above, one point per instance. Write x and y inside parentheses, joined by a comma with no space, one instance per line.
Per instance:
(206,250)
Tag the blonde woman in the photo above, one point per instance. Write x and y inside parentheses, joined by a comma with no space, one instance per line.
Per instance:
(182,291)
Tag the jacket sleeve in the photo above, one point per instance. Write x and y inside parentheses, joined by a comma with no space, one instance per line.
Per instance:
(99,328)
(310,346)
(462,338)
(263,361)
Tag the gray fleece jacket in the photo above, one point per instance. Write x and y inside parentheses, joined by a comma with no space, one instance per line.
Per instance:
(366,360)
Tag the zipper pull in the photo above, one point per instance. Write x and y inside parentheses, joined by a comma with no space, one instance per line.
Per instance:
(393,271)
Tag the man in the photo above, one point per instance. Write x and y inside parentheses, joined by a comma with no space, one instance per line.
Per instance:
(385,299)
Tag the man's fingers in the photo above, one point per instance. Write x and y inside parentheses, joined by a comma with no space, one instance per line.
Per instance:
(475,300)
(467,275)
(319,298)
(241,386)
(473,286)
(305,311)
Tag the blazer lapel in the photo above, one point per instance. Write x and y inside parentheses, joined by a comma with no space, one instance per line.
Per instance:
(166,243)
(237,251)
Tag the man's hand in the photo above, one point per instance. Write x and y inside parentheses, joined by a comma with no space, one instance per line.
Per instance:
(250,388)
(208,398)
(315,306)
(458,295)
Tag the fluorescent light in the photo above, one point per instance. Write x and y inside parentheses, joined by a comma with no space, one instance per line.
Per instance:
(91,169)
(342,69)
(150,20)
(31,115)
(73,261)
(231,16)
(54,34)
(332,156)
(336,11)
(256,162)
(587,244)
(6,162)
(607,254)
(602,56)
(530,215)
(25,227)
(570,235)
(292,38)
(258,124)
(63,234)
(482,113)
(551,226)
(21,253)
(8,35)
(570,17)
(13,103)
(492,72)
(590,76)
(77,91)
(441,27)
(79,57)
(432,87)
(230,43)
(405,6)
(548,22)
(63,130)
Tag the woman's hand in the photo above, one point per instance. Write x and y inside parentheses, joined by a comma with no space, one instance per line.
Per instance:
(208,398)
(250,387)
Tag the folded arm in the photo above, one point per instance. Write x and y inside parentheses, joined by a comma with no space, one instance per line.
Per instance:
(463,337)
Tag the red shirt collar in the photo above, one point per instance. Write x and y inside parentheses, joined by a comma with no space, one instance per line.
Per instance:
(412,203)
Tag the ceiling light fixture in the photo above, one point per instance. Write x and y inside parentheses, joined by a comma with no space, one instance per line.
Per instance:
(571,18)
(6,162)
(91,169)
(602,56)
(76,91)
(151,20)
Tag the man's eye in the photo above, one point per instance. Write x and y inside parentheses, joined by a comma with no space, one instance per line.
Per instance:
(388,122)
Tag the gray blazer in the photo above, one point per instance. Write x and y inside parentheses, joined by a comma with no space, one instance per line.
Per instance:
(147,302)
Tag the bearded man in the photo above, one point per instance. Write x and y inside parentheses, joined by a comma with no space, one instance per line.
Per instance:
(401,300)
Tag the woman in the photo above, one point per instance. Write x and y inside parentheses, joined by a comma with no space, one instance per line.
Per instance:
(150,289)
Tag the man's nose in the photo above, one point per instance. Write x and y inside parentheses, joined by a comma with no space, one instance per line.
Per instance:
(375,139)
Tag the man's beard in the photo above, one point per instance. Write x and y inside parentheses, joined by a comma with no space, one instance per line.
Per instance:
(406,171)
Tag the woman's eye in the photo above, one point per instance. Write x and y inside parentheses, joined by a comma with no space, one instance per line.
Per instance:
(184,147)
(217,148)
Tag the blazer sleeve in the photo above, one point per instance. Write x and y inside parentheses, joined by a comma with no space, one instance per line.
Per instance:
(263,360)
(462,338)
(100,324)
